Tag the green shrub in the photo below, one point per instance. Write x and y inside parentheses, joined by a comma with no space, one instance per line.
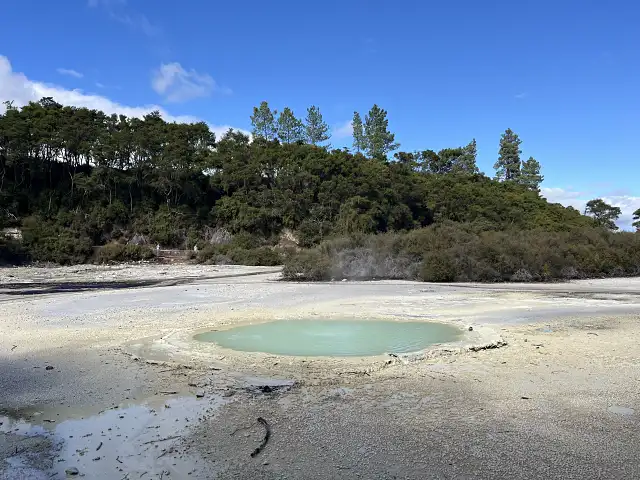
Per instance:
(12,252)
(62,241)
(452,252)
(262,256)
(115,252)
(439,267)
(307,265)
(224,254)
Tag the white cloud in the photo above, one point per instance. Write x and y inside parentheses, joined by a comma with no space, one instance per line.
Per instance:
(16,87)
(179,85)
(569,197)
(69,72)
(521,95)
(119,11)
(343,131)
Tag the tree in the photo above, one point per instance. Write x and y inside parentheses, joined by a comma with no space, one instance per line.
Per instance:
(466,162)
(316,130)
(379,141)
(636,217)
(508,164)
(359,143)
(603,213)
(430,162)
(530,175)
(290,128)
(263,122)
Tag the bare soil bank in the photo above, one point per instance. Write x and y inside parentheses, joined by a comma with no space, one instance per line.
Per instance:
(560,400)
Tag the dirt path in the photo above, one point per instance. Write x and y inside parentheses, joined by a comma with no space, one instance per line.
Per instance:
(560,400)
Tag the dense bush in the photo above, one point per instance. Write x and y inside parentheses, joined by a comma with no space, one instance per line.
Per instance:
(115,252)
(12,252)
(464,252)
(61,241)
(224,254)
(307,265)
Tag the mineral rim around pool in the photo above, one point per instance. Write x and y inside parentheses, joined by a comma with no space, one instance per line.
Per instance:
(338,338)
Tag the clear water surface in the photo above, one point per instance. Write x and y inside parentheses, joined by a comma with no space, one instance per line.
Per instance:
(337,338)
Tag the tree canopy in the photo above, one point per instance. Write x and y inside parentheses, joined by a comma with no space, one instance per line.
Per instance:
(74,177)
(605,214)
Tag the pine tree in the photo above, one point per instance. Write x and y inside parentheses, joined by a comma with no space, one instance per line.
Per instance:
(316,130)
(290,129)
(263,122)
(636,217)
(530,175)
(359,143)
(466,161)
(379,140)
(508,164)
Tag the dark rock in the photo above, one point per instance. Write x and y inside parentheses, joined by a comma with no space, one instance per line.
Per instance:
(72,471)
(49,367)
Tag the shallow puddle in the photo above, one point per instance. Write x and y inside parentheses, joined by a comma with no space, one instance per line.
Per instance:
(130,442)
(338,338)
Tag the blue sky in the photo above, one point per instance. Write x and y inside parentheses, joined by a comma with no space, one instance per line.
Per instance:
(563,75)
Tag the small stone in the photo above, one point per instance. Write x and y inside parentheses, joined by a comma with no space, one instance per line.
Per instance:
(228,393)
(200,394)
(72,471)
(471,329)
(49,367)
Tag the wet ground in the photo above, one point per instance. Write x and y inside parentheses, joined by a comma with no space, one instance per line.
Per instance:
(107,381)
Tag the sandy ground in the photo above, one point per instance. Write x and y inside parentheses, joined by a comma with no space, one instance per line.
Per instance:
(99,373)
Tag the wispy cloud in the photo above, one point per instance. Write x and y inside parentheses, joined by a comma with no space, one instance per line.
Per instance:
(176,84)
(521,95)
(16,87)
(578,199)
(120,11)
(69,72)
(343,130)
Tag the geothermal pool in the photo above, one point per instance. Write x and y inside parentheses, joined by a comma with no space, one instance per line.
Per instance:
(334,338)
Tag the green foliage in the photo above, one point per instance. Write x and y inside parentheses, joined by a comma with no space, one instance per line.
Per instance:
(116,252)
(530,175)
(231,254)
(603,213)
(359,141)
(508,164)
(263,122)
(12,252)
(316,130)
(76,178)
(636,218)
(290,129)
(309,265)
(463,252)
(64,241)
(379,141)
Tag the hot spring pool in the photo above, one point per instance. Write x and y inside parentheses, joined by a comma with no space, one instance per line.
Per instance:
(336,338)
